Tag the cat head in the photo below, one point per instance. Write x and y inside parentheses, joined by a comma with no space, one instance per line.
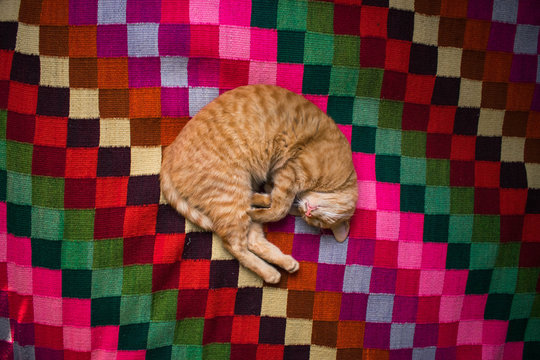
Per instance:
(328,210)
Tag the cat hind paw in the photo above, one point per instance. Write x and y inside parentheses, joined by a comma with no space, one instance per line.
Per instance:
(273,278)
(293,265)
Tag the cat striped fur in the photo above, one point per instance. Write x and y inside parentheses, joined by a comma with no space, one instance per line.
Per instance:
(253,135)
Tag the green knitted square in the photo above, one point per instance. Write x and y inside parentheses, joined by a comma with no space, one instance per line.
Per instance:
(47,253)
(413,170)
(437,200)
(189,331)
(412,198)
(318,49)
(133,336)
(19,157)
(508,255)
(164,305)
(264,13)
(48,191)
(135,309)
(363,139)
(290,46)
(217,351)
(346,50)
(366,111)
(137,279)
(369,82)
(483,255)
(19,220)
(108,253)
(527,280)
(320,17)
(390,113)
(19,188)
(79,224)
(387,169)
(106,311)
(504,280)
(161,334)
(521,306)
(47,223)
(486,228)
(340,108)
(76,283)
(460,228)
(414,143)
(107,282)
(438,172)
(462,200)
(343,81)
(388,142)
(77,255)
(316,79)
(436,228)
(291,15)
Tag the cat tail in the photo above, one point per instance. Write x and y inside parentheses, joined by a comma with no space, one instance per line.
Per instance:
(178,202)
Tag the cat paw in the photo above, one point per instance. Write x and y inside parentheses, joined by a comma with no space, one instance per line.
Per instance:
(273,277)
(265,215)
(292,264)
(259,215)
(261,200)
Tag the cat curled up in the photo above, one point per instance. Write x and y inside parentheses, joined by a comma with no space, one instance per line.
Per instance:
(254,135)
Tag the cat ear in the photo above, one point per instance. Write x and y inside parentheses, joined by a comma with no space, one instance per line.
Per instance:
(341,231)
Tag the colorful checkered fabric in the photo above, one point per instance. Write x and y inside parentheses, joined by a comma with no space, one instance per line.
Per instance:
(439,98)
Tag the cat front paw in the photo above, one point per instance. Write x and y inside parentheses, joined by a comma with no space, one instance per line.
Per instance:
(264,215)
(261,200)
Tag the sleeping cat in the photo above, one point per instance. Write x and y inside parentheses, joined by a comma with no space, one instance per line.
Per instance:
(252,135)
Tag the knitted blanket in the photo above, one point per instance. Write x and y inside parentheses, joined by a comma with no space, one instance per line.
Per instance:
(440,100)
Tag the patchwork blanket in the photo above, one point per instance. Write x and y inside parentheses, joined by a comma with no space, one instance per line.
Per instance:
(440,100)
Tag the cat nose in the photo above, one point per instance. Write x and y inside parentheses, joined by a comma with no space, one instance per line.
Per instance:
(309,209)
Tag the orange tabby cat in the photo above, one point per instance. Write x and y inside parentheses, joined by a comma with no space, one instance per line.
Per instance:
(253,135)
